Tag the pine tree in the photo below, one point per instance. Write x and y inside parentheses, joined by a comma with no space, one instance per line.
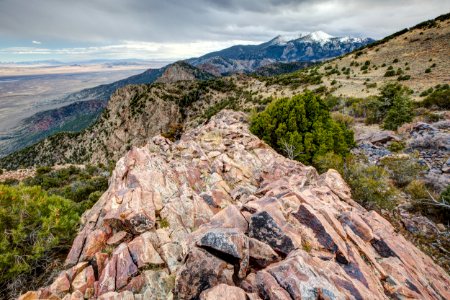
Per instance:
(301,127)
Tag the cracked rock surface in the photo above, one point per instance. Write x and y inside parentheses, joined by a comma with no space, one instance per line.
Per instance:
(220,215)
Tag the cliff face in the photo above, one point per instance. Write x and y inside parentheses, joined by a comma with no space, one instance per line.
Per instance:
(136,113)
(181,71)
(219,214)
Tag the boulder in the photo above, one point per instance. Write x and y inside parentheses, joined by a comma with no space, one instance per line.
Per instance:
(159,284)
(125,266)
(118,238)
(228,241)
(260,253)
(230,244)
(107,280)
(269,288)
(383,137)
(223,292)
(61,285)
(264,228)
(142,251)
(84,282)
(30,295)
(201,271)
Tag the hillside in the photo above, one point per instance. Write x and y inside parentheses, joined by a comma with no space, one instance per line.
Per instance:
(413,52)
(73,117)
(87,105)
(221,213)
(279,68)
(82,109)
(137,112)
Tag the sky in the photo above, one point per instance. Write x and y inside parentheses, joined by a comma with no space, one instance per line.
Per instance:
(75,30)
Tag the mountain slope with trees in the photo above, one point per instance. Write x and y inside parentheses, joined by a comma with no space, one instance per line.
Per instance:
(313,47)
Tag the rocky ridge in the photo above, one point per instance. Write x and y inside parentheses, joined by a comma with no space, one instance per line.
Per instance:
(138,112)
(313,47)
(84,107)
(219,214)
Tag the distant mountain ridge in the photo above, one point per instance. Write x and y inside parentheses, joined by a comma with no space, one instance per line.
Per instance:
(85,106)
(277,56)
(310,47)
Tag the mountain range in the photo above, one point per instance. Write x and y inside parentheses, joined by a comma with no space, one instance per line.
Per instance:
(311,47)
(276,56)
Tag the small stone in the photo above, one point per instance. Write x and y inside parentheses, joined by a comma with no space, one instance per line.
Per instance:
(117,238)
(31,295)
(61,285)
(383,137)
(109,296)
(223,292)
(77,295)
(441,227)
(136,284)
(213,154)
(142,251)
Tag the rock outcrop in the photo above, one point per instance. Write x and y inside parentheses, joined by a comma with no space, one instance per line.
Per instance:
(432,142)
(219,214)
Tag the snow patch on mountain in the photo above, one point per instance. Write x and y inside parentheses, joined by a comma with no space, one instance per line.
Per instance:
(319,36)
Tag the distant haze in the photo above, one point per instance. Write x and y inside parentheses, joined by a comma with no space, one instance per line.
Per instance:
(176,29)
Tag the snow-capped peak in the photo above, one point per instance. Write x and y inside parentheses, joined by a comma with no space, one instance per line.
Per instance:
(279,40)
(319,36)
(346,39)
(316,37)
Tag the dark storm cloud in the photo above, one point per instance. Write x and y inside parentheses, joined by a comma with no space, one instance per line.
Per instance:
(182,20)
(183,28)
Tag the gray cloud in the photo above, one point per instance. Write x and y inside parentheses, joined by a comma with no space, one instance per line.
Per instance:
(107,22)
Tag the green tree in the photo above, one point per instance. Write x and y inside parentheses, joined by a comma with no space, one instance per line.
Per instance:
(33,225)
(301,128)
(370,185)
(393,106)
(439,98)
(400,112)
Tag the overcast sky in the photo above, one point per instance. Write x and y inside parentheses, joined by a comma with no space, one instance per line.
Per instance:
(174,29)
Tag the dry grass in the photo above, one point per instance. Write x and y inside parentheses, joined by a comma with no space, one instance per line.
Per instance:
(417,50)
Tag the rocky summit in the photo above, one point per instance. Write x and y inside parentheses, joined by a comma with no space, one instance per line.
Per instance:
(220,215)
